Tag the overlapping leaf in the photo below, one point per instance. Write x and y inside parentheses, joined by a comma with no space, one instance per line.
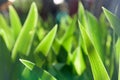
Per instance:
(46,43)
(6,33)
(44,46)
(38,72)
(93,29)
(81,14)
(119,71)
(24,40)
(15,21)
(115,22)
(98,69)
(118,55)
(78,61)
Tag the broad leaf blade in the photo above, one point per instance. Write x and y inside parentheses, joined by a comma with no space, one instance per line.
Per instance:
(86,39)
(115,24)
(67,44)
(46,43)
(38,72)
(15,21)
(56,46)
(24,40)
(94,31)
(98,69)
(114,21)
(6,33)
(4,24)
(119,71)
(117,47)
(27,63)
(117,56)
(78,61)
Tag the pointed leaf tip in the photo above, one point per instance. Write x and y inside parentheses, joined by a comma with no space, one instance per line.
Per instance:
(46,43)
(25,37)
(14,21)
(27,63)
(113,20)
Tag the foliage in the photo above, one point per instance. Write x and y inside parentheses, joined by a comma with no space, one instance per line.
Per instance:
(83,50)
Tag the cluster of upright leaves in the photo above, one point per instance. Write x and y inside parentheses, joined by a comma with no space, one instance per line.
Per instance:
(53,54)
(92,43)
(19,39)
(115,22)
(62,47)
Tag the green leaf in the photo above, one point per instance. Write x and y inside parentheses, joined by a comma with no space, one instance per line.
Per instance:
(38,72)
(117,56)
(6,33)
(26,74)
(117,47)
(46,76)
(86,39)
(94,31)
(119,70)
(67,44)
(81,14)
(3,24)
(56,45)
(78,61)
(98,69)
(15,21)
(24,40)
(66,40)
(27,63)
(46,43)
(114,21)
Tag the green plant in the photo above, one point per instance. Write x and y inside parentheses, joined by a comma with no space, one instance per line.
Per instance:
(19,39)
(114,22)
(83,50)
(92,41)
